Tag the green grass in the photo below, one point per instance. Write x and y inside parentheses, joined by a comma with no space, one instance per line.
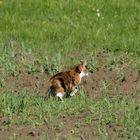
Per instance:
(35,110)
(64,25)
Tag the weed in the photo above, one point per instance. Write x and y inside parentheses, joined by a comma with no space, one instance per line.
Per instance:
(105,87)
(53,66)
(121,75)
(2,82)
(45,137)
(104,134)
(92,64)
(14,137)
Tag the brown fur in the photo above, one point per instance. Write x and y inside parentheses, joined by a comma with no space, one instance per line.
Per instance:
(66,82)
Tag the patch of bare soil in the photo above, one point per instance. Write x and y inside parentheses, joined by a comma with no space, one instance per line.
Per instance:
(116,80)
(106,81)
(67,125)
(76,126)
(28,82)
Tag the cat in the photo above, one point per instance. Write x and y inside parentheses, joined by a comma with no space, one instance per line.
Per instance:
(66,83)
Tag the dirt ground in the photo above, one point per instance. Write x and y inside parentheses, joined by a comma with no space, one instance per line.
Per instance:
(117,79)
(105,80)
(70,124)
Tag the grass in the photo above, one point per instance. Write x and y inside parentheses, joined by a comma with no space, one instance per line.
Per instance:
(49,36)
(35,110)
(65,25)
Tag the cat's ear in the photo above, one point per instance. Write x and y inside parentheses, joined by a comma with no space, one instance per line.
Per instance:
(83,62)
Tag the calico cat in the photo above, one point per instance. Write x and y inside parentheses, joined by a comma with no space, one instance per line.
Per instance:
(66,83)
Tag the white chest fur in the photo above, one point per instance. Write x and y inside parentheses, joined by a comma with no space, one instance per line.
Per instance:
(83,74)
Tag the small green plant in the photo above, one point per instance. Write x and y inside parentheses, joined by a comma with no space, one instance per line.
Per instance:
(69,137)
(92,64)
(45,137)
(104,134)
(14,137)
(121,75)
(2,82)
(53,66)
(105,87)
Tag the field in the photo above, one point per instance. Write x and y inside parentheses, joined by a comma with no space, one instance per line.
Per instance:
(39,38)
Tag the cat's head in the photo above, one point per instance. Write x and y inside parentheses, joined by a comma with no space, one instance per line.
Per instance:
(82,69)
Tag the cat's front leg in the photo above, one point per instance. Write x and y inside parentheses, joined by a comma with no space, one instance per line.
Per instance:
(74,92)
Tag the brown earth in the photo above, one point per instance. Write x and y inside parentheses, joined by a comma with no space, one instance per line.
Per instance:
(67,124)
(119,79)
